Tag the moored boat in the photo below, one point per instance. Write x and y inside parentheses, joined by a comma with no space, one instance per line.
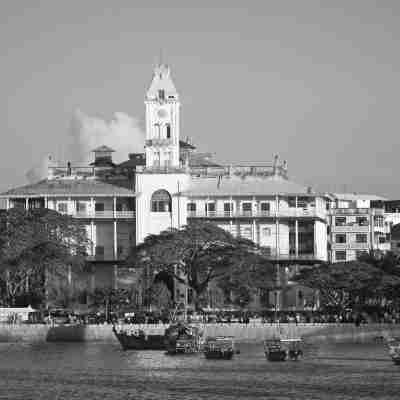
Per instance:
(137,339)
(219,348)
(394,349)
(278,349)
(181,338)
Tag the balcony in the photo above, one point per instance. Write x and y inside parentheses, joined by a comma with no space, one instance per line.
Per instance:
(350,228)
(287,213)
(357,211)
(350,246)
(275,255)
(109,214)
(159,142)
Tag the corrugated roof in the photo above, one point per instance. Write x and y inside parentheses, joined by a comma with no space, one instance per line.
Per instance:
(249,185)
(70,187)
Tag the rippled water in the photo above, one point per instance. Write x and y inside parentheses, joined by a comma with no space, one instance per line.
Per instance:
(104,371)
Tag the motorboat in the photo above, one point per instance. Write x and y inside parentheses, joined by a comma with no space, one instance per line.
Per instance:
(394,349)
(219,347)
(137,339)
(181,338)
(279,349)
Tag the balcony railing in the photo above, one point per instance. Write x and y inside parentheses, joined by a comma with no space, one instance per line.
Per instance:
(104,214)
(356,211)
(299,213)
(273,254)
(350,228)
(350,246)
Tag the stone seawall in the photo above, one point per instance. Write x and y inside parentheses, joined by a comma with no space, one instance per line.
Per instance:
(254,332)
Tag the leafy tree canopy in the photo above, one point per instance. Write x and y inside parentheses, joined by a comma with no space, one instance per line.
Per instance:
(372,279)
(200,253)
(35,243)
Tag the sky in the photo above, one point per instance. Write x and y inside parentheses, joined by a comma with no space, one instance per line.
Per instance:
(316,82)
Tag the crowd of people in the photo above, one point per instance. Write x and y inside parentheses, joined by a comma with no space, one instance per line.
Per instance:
(376,315)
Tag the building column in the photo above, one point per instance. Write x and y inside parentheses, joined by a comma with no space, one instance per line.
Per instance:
(296,235)
(46,202)
(92,206)
(315,239)
(371,224)
(26,203)
(69,276)
(92,237)
(115,276)
(7,204)
(115,241)
(114,207)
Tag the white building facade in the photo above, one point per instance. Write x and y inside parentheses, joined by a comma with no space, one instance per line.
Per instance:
(171,184)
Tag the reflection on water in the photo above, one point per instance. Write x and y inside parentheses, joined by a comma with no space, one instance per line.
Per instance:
(104,371)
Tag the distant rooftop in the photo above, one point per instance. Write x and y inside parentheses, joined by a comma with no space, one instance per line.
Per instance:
(357,196)
(249,185)
(69,187)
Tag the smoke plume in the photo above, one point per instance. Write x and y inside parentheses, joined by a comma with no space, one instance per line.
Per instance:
(123,134)
(39,171)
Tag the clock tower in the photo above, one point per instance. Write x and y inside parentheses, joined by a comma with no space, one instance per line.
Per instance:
(162,121)
(162,183)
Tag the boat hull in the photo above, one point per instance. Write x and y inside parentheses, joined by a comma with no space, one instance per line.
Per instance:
(276,355)
(140,341)
(219,354)
(396,360)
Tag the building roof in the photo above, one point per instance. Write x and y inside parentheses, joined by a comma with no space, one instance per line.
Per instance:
(250,185)
(357,196)
(186,145)
(202,160)
(103,148)
(135,159)
(69,187)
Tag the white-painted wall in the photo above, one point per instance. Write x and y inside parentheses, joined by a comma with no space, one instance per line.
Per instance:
(148,222)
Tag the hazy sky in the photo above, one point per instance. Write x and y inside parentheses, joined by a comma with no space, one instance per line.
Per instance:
(315,81)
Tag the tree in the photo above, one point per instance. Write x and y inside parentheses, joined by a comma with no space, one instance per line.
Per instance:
(38,247)
(352,284)
(198,254)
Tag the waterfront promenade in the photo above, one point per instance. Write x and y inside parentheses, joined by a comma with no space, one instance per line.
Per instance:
(252,332)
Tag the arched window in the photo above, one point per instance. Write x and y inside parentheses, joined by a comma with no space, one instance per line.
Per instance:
(161,201)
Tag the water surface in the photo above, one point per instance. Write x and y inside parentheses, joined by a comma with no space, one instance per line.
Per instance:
(103,371)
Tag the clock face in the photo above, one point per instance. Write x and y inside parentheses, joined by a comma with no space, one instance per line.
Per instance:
(162,113)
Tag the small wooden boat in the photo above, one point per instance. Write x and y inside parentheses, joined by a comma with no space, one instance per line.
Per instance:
(219,348)
(181,338)
(394,349)
(283,349)
(131,339)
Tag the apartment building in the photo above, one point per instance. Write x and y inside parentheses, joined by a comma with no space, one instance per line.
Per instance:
(358,224)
